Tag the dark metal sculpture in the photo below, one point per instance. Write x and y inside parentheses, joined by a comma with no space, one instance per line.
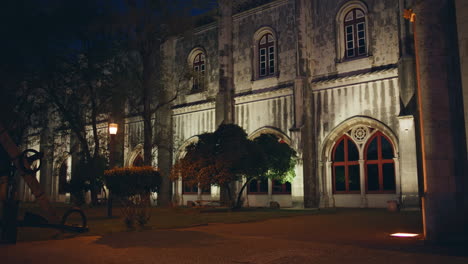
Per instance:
(22,161)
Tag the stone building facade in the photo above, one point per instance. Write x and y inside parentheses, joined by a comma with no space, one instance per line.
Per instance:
(294,76)
(335,79)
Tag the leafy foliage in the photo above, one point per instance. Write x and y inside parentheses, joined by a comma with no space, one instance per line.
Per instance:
(279,158)
(133,185)
(227,156)
(129,181)
(88,176)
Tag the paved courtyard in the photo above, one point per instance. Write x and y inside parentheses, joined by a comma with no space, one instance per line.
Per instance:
(346,237)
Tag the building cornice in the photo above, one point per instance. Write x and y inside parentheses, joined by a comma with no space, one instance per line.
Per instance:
(352,78)
(257,9)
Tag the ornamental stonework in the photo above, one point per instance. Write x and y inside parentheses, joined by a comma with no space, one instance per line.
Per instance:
(360,134)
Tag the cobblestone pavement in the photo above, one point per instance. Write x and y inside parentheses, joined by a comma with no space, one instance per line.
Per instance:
(304,239)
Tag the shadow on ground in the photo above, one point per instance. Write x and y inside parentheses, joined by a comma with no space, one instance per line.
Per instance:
(160,239)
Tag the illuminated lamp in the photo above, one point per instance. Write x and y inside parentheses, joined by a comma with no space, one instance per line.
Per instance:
(113,128)
(404,235)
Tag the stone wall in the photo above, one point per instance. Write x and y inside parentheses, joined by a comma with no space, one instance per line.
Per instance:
(279,16)
(382,31)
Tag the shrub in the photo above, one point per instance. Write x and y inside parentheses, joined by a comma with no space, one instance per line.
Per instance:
(88,176)
(132,186)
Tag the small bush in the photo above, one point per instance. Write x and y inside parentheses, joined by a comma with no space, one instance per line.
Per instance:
(130,181)
(132,186)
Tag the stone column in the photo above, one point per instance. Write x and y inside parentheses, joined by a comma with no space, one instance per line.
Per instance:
(444,151)
(225,96)
(362,181)
(309,155)
(408,162)
(329,184)
(462,26)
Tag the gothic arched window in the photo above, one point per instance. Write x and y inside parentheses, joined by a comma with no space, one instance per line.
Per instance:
(346,178)
(380,166)
(266,55)
(355,33)
(199,72)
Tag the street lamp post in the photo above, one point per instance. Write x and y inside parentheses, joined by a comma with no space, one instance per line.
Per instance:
(408,14)
(113,127)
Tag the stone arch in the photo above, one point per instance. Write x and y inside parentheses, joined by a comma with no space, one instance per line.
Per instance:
(262,31)
(270,130)
(138,150)
(181,150)
(349,126)
(194,52)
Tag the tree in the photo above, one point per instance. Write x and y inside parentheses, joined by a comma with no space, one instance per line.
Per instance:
(227,156)
(145,25)
(72,66)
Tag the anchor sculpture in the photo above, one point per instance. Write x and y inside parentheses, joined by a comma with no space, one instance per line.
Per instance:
(22,161)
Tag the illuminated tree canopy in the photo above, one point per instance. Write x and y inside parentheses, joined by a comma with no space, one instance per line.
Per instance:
(227,156)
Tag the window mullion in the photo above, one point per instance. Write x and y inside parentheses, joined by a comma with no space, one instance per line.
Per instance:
(379,157)
(346,164)
(355,40)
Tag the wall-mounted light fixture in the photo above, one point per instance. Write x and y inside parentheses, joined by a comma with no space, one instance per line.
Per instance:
(113,127)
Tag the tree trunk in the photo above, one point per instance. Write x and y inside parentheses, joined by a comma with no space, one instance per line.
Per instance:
(148,70)
(164,139)
(94,188)
(239,195)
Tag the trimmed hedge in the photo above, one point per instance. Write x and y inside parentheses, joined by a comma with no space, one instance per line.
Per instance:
(130,181)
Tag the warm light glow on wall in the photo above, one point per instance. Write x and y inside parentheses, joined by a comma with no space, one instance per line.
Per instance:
(406,123)
(113,128)
(404,235)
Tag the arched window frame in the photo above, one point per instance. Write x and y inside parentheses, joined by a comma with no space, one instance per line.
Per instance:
(197,64)
(380,161)
(350,127)
(346,163)
(271,53)
(341,24)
